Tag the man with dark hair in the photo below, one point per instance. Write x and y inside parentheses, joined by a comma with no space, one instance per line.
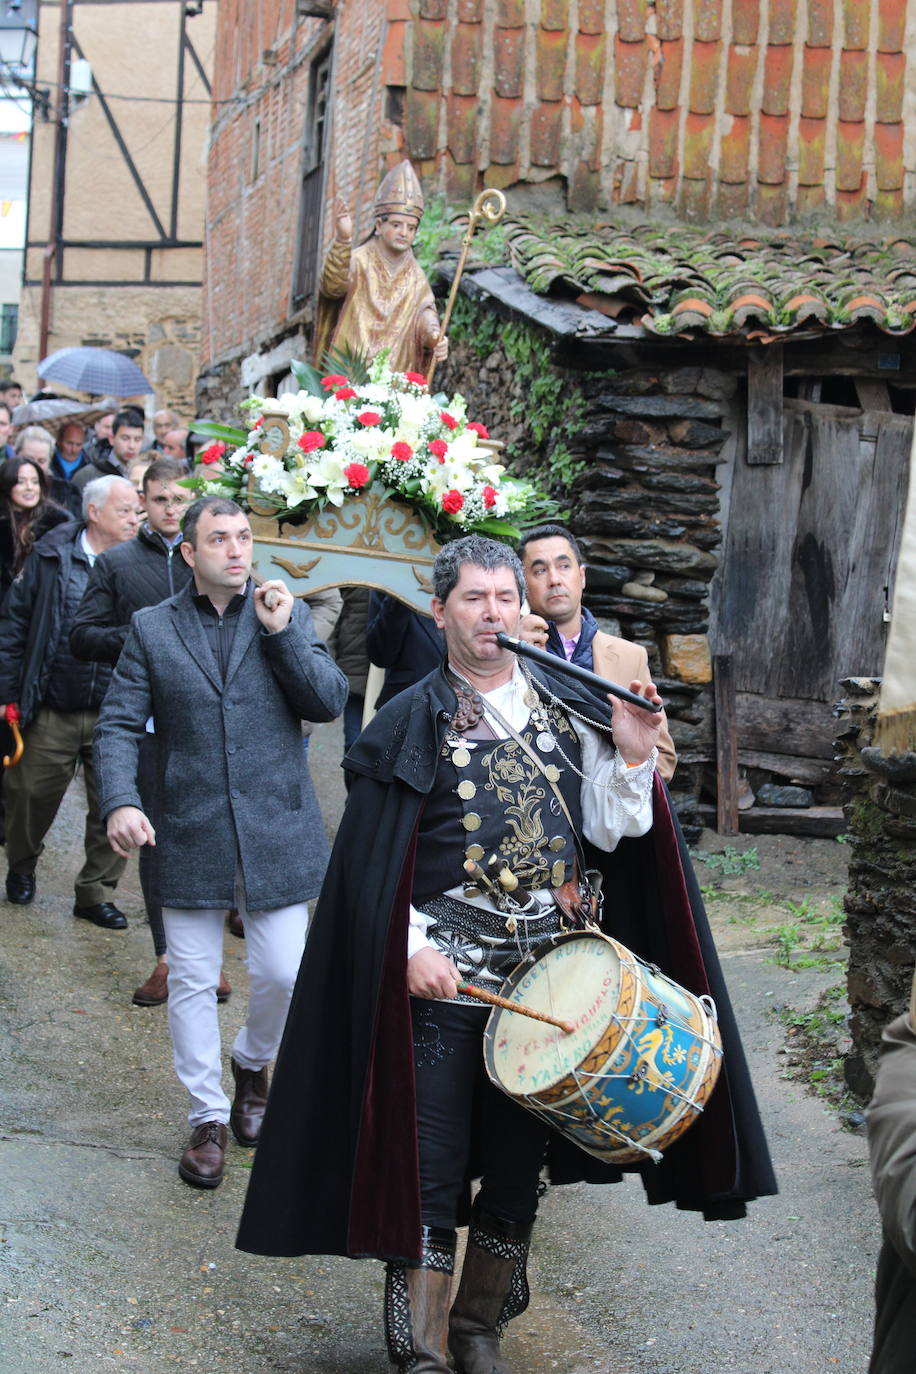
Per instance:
(10,392)
(142,573)
(228,672)
(555,580)
(484,757)
(126,443)
(59,698)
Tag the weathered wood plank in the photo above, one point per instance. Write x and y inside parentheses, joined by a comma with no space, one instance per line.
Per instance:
(785,726)
(873,395)
(764,405)
(726,747)
(823,822)
(789,766)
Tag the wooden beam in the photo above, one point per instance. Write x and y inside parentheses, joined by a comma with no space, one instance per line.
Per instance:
(764,405)
(726,747)
(824,822)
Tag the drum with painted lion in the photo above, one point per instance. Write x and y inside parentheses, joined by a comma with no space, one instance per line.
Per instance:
(639,1065)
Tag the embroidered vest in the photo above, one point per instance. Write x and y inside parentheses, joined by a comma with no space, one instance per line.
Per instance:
(493,805)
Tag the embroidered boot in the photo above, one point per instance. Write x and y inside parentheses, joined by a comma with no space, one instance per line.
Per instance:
(416,1306)
(493,1290)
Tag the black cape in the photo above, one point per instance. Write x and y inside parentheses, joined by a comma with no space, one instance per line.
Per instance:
(336,1167)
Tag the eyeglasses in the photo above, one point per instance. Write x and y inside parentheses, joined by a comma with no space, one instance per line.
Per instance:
(168,502)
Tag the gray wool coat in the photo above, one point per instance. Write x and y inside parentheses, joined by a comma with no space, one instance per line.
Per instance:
(232,786)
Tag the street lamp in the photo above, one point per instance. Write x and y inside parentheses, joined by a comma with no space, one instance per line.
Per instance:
(18,39)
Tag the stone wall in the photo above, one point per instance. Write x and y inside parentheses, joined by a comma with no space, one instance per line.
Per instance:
(644,505)
(880,809)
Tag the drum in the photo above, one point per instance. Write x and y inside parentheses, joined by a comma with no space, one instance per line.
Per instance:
(637,1068)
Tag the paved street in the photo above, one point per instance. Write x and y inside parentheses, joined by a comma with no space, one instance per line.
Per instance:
(109,1262)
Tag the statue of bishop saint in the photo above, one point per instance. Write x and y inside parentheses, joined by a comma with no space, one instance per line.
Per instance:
(376,296)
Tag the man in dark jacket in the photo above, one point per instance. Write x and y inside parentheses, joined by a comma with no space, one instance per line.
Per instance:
(143,572)
(403,642)
(59,698)
(126,443)
(228,672)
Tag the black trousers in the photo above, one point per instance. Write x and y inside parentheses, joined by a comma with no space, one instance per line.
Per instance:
(467,1128)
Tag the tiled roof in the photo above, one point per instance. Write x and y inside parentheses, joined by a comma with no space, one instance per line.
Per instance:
(674,279)
(719,109)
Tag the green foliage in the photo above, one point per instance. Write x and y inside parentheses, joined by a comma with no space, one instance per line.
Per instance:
(547,401)
(442,221)
(226,434)
(730,861)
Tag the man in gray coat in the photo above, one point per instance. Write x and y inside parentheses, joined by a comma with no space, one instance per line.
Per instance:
(228,672)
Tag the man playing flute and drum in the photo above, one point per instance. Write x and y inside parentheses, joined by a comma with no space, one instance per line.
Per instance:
(479,796)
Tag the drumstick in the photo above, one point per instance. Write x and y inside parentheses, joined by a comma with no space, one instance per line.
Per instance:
(496,1001)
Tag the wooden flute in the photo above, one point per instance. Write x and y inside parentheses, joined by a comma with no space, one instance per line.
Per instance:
(562,665)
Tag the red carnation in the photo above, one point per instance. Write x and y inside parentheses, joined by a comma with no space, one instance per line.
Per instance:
(448,419)
(334,380)
(403,452)
(258,422)
(369,417)
(213,454)
(346,393)
(489,497)
(312,439)
(452,502)
(480,429)
(416,377)
(357,475)
(438,448)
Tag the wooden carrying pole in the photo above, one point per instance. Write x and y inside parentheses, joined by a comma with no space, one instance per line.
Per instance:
(491,206)
(726,747)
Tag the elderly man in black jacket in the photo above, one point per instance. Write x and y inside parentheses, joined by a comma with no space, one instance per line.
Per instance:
(59,698)
(141,573)
(228,672)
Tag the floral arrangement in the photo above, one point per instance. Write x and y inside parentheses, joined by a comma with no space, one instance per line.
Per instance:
(346,434)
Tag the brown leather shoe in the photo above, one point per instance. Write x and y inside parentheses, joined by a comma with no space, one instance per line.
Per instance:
(203,1161)
(224,987)
(236,924)
(155,990)
(250,1100)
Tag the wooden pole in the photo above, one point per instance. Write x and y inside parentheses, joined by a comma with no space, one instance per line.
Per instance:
(726,747)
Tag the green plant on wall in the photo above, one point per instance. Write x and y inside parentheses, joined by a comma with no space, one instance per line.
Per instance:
(547,400)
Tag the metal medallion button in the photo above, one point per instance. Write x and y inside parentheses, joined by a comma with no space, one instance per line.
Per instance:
(471,821)
(558,873)
(557,843)
(466,789)
(552,773)
(546,742)
(461,758)
(474,852)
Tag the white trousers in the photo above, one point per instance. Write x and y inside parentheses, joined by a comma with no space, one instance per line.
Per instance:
(274,943)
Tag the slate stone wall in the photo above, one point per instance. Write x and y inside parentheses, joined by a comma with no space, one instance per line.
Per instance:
(880,809)
(645,508)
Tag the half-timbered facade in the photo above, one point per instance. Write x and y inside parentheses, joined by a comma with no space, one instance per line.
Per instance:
(114,252)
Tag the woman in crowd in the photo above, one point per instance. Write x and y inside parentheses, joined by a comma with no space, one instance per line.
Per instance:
(26,513)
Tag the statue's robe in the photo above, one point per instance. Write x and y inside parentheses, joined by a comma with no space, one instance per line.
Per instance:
(368,303)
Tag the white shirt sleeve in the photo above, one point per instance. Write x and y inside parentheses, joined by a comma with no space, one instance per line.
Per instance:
(416,932)
(616,799)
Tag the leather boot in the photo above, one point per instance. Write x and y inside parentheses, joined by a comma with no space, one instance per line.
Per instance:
(493,1290)
(203,1161)
(249,1102)
(416,1306)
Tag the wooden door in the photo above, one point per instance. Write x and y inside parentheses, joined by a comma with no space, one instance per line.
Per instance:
(808,561)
